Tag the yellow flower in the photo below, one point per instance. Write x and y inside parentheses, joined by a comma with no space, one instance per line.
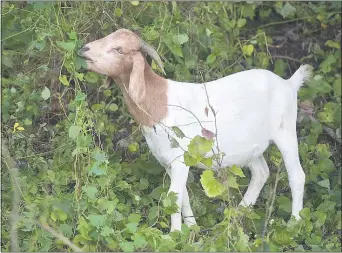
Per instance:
(17,127)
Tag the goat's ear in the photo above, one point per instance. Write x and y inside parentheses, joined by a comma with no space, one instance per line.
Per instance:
(136,88)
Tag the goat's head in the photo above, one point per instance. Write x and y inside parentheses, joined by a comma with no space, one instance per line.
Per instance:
(119,55)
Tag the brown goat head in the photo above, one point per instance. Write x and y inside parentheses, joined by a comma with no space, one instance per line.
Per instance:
(119,55)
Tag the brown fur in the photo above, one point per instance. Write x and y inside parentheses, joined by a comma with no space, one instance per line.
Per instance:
(117,55)
(153,106)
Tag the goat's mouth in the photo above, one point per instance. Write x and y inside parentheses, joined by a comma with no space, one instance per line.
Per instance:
(87,59)
(81,54)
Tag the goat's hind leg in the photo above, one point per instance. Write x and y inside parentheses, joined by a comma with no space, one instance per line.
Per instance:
(286,141)
(260,173)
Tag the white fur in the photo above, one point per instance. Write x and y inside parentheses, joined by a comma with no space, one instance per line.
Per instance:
(252,108)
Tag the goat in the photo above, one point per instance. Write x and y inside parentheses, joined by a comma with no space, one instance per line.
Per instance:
(253,108)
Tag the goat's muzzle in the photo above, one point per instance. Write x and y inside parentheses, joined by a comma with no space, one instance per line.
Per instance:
(82,50)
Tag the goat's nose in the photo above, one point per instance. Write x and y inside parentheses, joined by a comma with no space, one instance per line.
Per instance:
(82,50)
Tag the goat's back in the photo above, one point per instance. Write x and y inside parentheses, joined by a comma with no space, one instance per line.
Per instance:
(249,106)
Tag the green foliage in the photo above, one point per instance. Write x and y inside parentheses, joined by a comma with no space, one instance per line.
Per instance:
(211,186)
(84,167)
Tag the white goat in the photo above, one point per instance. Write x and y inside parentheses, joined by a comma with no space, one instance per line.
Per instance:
(252,108)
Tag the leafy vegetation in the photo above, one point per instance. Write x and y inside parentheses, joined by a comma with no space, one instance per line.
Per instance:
(82,166)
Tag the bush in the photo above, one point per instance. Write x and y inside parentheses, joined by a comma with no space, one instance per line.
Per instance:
(83,168)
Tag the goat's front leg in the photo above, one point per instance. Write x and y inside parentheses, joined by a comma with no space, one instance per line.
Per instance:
(179,175)
(187,213)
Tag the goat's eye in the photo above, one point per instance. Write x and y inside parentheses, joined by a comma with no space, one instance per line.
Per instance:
(120,51)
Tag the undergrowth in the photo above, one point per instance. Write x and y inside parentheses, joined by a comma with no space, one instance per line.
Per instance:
(82,170)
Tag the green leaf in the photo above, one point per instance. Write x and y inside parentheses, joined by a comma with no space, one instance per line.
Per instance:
(174,143)
(241,22)
(46,93)
(178,132)
(211,58)
(118,12)
(167,202)
(282,237)
(333,44)
(97,107)
(135,3)
(97,220)
(326,165)
(72,35)
(107,93)
(180,39)
(210,184)
(133,147)
(175,49)
(64,80)
(91,77)
(13,90)
(248,10)
(113,107)
(62,216)
(143,184)
(208,32)
(79,76)
(284,204)
(231,181)
(97,170)
(127,246)
(337,88)
(99,155)
(118,216)
(80,62)
(320,218)
(27,122)
(139,241)
(106,231)
(112,205)
(279,67)
(326,64)
(43,67)
(91,191)
(68,46)
(74,131)
(207,161)
(242,243)
(84,228)
(132,227)
(53,216)
(237,171)
(248,49)
(66,229)
(324,183)
(153,213)
(189,160)
(287,10)
(305,213)
(134,218)
(326,206)
(199,146)
(163,224)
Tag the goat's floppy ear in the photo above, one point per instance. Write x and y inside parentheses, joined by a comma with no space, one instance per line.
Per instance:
(136,88)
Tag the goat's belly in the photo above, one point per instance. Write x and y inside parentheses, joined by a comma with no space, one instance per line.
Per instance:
(160,146)
(238,152)
(242,157)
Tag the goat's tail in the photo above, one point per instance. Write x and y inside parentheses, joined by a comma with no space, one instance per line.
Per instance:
(303,74)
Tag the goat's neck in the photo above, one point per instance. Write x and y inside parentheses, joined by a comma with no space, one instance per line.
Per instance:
(153,108)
